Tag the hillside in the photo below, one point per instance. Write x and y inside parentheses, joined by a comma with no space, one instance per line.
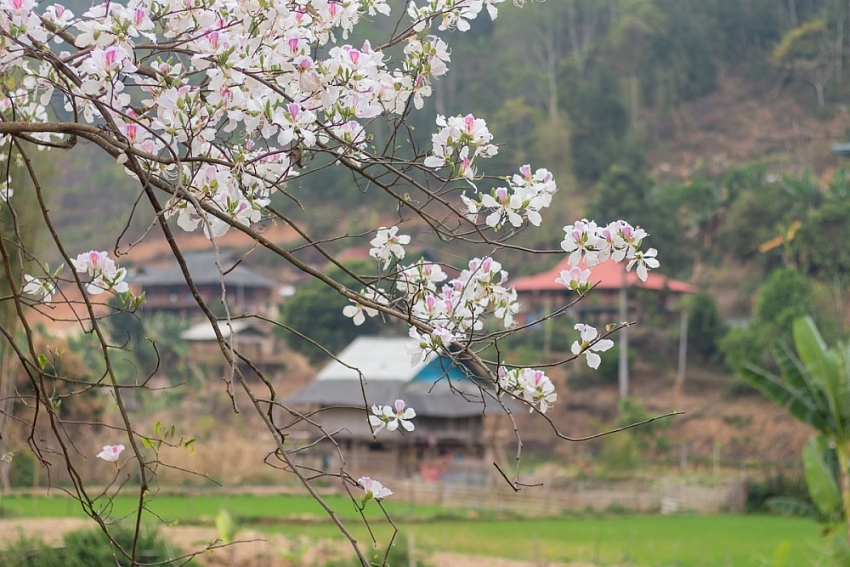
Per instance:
(743,121)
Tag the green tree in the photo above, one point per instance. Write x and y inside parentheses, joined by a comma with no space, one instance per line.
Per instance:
(805,50)
(316,310)
(625,193)
(784,297)
(638,23)
(600,122)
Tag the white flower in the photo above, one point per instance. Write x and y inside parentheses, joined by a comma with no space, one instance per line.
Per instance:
(420,347)
(643,260)
(378,418)
(590,344)
(39,287)
(373,488)
(387,245)
(358,311)
(110,453)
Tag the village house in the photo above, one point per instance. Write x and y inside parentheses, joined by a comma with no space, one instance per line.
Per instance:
(166,290)
(456,422)
(541,295)
(253,339)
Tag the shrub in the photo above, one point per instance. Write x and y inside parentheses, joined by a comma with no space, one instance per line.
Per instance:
(705,327)
(91,548)
(23,469)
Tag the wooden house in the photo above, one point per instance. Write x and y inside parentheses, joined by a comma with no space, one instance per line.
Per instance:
(455,426)
(166,289)
(253,339)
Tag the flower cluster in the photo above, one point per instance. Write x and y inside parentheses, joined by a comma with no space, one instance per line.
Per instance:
(226,101)
(274,73)
(530,385)
(103,273)
(617,241)
(525,196)
(392,417)
(453,14)
(459,141)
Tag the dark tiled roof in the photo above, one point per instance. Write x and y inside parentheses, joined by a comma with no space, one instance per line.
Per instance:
(429,399)
(204,272)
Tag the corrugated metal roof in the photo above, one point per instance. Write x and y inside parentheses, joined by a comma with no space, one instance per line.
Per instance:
(204,331)
(458,398)
(204,271)
(377,358)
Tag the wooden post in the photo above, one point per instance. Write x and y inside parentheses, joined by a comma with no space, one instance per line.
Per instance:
(683,348)
(547,326)
(623,377)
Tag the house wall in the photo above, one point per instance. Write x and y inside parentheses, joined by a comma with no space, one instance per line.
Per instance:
(178,300)
(428,450)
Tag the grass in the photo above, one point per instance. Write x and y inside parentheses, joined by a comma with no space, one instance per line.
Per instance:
(662,541)
(202,508)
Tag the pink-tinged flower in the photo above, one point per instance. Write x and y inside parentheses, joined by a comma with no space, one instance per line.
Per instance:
(105,275)
(590,344)
(401,415)
(575,279)
(110,453)
(581,238)
(391,416)
(537,388)
(374,489)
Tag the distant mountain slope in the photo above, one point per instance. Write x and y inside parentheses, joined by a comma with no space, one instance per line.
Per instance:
(742,121)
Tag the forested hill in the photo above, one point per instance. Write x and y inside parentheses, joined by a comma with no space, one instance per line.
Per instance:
(613,95)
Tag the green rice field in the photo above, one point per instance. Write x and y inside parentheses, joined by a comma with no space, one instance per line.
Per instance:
(663,541)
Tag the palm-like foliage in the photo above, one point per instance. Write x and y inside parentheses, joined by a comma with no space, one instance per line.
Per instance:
(814,387)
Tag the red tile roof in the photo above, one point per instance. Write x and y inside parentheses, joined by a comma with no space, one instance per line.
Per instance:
(607,275)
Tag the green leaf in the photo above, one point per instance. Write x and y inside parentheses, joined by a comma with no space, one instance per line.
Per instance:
(823,488)
(796,402)
(225,526)
(822,365)
(42,361)
(796,375)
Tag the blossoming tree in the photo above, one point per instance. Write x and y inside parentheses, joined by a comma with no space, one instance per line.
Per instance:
(213,106)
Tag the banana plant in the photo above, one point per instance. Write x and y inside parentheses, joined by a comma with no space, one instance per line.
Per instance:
(814,387)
